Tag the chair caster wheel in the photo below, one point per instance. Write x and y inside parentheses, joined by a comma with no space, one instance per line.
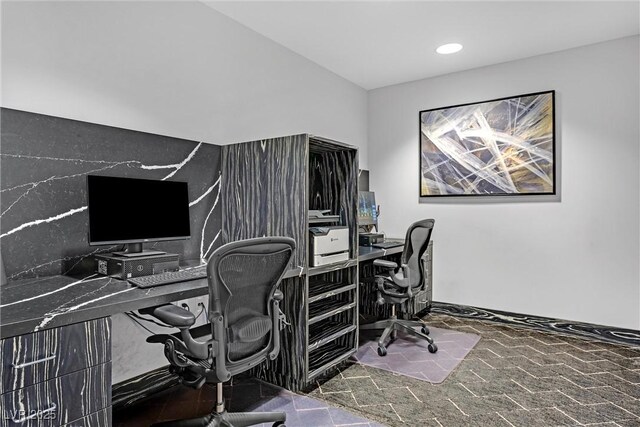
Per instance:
(432,348)
(382,351)
(425,330)
(278,424)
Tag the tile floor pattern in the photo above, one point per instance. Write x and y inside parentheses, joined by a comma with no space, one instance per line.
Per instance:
(408,355)
(514,376)
(245,395)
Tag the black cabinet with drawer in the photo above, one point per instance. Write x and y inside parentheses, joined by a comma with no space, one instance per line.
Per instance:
(59,376)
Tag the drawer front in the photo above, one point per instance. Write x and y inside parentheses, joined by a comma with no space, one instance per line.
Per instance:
(60,400)
(101,418)
(33,358)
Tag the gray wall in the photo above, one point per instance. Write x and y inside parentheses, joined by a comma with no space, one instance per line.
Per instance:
(184,70)
(576,258)
(171,68)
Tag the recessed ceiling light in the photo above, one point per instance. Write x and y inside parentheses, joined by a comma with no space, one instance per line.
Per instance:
(448,48)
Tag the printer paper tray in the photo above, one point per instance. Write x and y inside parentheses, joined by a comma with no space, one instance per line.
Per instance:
(319,260)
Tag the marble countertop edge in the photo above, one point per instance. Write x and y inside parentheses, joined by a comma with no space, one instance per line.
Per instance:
(31,305)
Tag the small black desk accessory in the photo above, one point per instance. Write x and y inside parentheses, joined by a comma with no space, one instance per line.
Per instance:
(368,239)
(127,267)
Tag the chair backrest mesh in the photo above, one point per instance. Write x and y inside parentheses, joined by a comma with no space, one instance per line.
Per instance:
(416,243)
(242,284)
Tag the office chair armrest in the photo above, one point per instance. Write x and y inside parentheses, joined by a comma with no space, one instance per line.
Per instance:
(399,281)
(426,270)
(219,347)
(182,319)
(277,318)
(171,315)
(389,265)
(405,282)
(396,280)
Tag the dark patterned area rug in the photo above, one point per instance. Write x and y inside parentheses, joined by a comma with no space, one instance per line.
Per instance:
(409,356)
(514,377)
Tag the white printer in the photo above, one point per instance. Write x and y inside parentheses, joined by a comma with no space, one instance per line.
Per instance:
(328,245)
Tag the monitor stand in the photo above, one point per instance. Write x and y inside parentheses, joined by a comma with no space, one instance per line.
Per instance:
(135,250)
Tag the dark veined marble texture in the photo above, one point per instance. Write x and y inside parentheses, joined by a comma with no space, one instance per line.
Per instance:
(129,392)
(59,400)
(101,418)
(61,351)
(43,206)
(288,369)
(333,184)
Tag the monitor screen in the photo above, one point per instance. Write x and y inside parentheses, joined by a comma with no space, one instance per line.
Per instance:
(367,208)
(126,210)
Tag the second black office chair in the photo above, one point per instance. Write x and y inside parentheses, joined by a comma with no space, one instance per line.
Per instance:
(244,327)
(398,286)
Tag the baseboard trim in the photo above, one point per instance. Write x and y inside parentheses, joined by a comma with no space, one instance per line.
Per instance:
(586,330)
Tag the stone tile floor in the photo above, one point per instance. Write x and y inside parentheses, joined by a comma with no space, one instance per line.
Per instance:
(514,376)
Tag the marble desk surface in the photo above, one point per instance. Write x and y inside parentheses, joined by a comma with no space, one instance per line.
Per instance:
(366,253)
(31,305)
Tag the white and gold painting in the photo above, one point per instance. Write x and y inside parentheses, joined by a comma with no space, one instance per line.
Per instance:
(500,147)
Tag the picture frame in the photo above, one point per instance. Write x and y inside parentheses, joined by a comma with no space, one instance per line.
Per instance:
(501,147)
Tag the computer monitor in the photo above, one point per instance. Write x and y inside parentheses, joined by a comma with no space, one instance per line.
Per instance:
(367,208)
(134,211)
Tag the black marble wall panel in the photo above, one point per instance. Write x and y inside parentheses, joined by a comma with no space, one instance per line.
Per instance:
(43,207)
(263,191)
(59,350)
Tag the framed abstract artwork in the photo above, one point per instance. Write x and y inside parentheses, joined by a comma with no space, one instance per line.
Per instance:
(500,147)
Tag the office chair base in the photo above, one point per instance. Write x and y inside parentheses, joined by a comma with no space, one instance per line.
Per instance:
(391,326)
(229,419)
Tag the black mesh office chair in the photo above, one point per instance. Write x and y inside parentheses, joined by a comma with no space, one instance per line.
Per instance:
(398,286)
(244,328)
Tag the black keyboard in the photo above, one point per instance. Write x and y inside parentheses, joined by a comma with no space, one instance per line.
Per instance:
(169,277)
(387,245)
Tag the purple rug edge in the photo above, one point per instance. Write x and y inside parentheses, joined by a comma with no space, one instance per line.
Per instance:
(409,356)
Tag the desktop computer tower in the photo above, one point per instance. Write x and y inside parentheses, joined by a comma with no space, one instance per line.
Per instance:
(127,267)
(368,239)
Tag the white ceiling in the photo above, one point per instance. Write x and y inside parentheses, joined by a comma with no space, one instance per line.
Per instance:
(375,44)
